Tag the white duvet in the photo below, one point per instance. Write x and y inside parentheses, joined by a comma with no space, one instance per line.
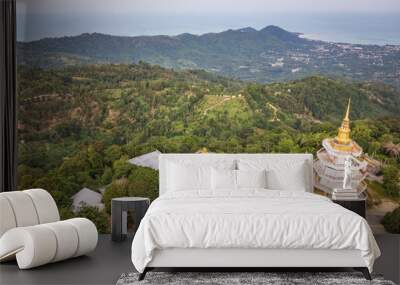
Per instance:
(250,219)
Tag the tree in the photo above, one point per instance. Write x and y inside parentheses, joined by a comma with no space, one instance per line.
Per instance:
(112,153)
(286,145)
(68,129)
(143,182)
(95,160)
(118,188)
(98,217)
(122,167)
(253,148)
(391,221)
(391,180)
(106,178)
(27,176)
(373,147)
(60,187)
(66,213)
(33,154)
(362,134)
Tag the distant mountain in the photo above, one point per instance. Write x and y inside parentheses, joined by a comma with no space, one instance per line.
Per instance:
(266,55)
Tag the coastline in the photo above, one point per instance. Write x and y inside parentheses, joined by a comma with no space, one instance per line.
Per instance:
(349,40)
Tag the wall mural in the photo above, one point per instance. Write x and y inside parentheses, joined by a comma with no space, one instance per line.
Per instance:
(102,90)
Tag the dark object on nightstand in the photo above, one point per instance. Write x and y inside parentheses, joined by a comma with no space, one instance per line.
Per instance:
(119,208)
(357,206)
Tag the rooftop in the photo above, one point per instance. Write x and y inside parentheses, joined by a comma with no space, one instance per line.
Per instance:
(87,196)
(147,160)
(337,149)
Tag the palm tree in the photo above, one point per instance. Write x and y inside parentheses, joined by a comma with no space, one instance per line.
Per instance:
(391,149)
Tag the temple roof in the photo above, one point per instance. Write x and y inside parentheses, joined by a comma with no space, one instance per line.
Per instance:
(335,148)
(335,162)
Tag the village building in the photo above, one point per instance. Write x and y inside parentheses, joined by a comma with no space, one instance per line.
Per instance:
(87,197)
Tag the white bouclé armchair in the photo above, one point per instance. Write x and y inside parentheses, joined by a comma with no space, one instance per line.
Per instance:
(31,231)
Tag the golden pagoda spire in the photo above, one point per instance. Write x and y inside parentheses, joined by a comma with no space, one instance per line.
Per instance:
(348,110)
(343,136)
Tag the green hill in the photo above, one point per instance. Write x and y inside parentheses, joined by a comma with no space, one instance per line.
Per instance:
(79,126)
(268,55)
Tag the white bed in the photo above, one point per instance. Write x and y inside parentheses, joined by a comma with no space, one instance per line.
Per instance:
(280,225)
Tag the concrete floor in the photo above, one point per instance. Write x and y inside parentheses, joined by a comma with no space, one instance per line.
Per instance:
(389,262)
(103,266)
(110,260)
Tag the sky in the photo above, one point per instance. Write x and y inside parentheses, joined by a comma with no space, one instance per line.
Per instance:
(188,6)
(54,18)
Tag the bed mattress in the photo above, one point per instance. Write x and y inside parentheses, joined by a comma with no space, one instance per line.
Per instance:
(250,219)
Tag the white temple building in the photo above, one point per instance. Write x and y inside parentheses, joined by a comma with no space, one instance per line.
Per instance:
(329,165)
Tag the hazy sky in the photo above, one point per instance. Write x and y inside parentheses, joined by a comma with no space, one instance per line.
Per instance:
(52,18)
(190,6)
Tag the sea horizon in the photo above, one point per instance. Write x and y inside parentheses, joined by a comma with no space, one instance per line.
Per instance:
(362,28)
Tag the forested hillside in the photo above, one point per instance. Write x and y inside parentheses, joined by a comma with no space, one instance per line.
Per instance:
(79,126)
(267,55)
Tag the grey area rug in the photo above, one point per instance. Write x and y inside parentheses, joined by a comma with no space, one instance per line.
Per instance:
(269,278)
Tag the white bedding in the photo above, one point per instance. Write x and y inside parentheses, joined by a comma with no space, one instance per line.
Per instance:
(252,218)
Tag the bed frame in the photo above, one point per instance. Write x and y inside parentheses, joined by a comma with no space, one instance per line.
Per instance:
(245,259)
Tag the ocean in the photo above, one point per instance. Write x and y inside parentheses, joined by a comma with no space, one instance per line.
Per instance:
(360,28)
(377,29)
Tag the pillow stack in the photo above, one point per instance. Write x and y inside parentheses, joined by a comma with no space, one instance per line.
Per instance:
(186,177)
(236,175)
(226,179)
(282,174)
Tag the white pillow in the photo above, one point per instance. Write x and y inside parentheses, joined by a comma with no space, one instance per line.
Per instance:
(282,174)
(182,177)
(223,179)
(217,163)
(251,178)
(293,180)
